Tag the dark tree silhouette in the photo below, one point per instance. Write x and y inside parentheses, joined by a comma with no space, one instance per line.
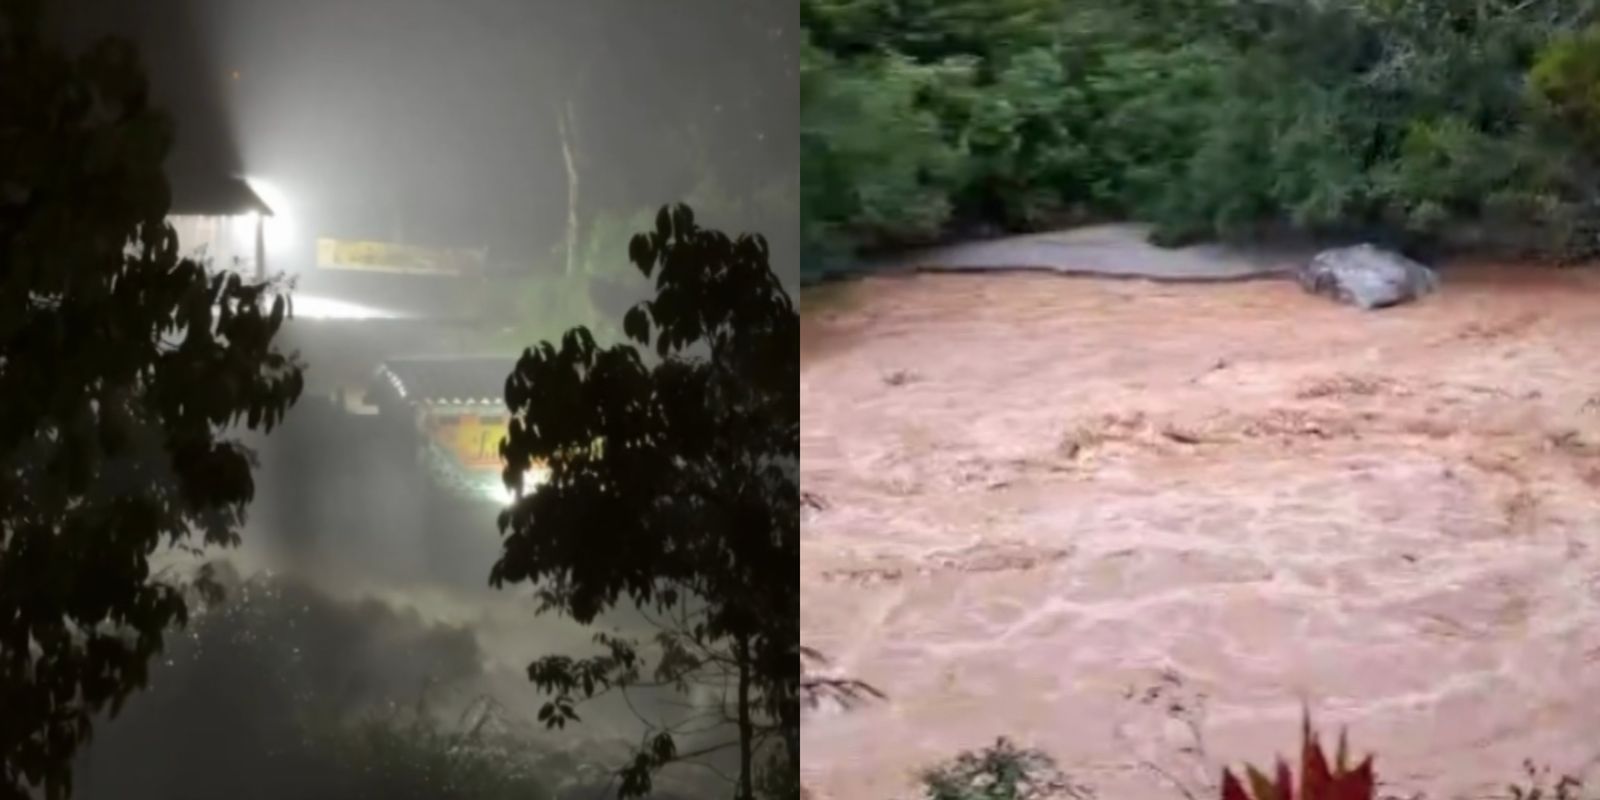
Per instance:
(121,368)
(846,692)
(673,484)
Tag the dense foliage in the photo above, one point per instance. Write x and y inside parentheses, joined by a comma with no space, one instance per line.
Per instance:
(1428,120)
(124,368)
(673,485)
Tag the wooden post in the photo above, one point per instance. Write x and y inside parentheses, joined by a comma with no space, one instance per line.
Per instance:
(261,246)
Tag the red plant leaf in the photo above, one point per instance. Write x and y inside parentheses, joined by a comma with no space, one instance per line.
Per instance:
(1261,786)
(1315,779)
(1358,784)
(1231,788)
(1285,780)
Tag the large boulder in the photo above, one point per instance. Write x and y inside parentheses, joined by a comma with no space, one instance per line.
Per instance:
(1366,276)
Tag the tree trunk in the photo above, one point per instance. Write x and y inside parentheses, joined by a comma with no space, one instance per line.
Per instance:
(791,737)
(746,728)
(261,247)
(566,124)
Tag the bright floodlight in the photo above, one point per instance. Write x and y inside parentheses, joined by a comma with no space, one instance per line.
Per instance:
(244,229)
(315,307)
(498,492)
(496,489)
(279,229)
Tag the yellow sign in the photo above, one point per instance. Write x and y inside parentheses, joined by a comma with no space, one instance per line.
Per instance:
(473,439)
(390,257)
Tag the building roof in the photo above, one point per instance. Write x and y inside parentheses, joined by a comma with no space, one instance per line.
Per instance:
(214,195)
(469,380)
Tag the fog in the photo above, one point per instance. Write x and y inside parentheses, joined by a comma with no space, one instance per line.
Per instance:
(362,582)
(436,122)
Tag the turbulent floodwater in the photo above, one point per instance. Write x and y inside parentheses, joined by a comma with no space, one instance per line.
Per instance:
(1137,525)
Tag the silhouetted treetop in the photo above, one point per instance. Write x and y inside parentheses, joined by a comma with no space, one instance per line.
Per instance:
(673,483)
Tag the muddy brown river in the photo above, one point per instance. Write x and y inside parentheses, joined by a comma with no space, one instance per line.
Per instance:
(1138,525)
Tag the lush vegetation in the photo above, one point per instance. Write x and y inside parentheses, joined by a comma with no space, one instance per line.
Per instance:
(1421,121)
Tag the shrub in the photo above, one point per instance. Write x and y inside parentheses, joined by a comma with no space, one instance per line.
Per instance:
(1001,771)
(1537,787)
(1566,78)
(402,755)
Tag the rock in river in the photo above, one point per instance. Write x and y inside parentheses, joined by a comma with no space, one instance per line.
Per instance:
(1366,276)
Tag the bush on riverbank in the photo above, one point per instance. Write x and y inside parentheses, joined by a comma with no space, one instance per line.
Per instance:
(1001,771)
(1427,120)
(1004,771)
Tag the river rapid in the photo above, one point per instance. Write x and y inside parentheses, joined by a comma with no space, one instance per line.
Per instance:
(1138,525)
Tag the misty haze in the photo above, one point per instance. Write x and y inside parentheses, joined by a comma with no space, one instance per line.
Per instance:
(439,185)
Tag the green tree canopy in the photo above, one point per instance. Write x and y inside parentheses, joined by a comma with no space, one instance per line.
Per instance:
(673,484)
(1409,120)
(1567,78)
(123,367)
